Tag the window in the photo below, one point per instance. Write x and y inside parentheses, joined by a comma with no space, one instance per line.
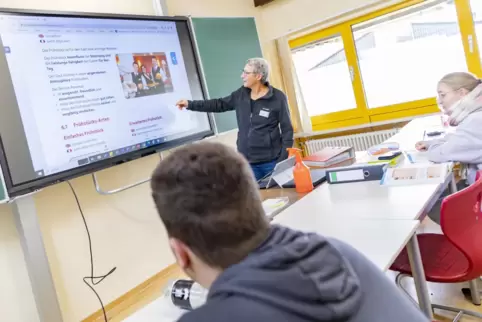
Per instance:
(408,53)
(476,6)
(385,65)
(324,77)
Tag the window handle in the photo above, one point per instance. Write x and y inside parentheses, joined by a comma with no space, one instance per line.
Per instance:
(470,39)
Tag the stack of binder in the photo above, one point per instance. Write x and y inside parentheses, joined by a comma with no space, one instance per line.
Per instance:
(356,173)
(329,157)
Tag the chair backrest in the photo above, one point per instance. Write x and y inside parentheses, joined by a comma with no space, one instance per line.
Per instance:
(461,221)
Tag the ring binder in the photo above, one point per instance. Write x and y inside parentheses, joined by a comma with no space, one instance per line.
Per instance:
(358,173)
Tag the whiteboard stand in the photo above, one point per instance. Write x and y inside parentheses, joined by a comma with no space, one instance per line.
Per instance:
(114,191)
(38,267)
(99,190)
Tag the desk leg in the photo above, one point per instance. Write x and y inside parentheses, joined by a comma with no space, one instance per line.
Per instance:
(474,291)
(418,273)
(38,267)
(453,184)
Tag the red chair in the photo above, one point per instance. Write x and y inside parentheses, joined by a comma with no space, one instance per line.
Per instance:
(455,256)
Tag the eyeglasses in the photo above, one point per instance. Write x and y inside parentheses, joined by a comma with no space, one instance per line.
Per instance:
(442,95)
(247,73)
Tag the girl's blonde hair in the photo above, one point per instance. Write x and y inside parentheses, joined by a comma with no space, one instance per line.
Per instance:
(460,80)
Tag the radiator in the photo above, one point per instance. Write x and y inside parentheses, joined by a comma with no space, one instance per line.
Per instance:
(360,142)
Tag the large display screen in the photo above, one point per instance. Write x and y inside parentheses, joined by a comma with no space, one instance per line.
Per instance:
(81,93)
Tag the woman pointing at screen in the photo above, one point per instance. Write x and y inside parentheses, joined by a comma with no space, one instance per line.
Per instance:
(265,130)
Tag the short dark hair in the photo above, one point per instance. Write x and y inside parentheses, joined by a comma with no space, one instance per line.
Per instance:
(207,198)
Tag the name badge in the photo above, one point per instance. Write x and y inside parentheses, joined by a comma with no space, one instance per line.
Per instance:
(264,113)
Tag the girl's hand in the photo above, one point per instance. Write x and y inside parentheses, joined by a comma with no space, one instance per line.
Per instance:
(421,146)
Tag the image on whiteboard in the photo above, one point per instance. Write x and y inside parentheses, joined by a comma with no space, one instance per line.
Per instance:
(144,74)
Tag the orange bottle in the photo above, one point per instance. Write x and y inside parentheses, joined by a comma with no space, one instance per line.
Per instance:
(301,173)
(291,152)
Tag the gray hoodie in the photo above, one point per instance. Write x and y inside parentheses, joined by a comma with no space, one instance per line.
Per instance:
(464,145)
(295,276)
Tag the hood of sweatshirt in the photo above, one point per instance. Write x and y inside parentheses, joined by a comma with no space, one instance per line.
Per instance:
(300,273)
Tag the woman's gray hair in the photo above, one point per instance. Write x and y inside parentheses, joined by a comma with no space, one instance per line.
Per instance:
(261,67)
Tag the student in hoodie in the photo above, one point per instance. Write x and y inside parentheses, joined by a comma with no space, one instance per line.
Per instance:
(208,200)
(265,130)
(460,96)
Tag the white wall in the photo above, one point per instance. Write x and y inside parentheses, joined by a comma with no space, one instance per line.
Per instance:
(109,6)
(211,8)
(282,17)
(16,298)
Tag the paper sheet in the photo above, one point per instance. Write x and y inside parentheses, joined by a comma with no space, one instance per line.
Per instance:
(273,206)
(414,156)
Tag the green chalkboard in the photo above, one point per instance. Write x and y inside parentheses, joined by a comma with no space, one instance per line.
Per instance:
(3,189)
(224,45)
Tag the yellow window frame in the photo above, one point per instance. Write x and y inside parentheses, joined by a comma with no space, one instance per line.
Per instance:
(361,114)
(358,114)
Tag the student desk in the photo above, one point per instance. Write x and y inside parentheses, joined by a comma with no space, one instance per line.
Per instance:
(350,211)
(278,193)
(415,130)
(379,240)
(378,221)
(368,200)
(160,310)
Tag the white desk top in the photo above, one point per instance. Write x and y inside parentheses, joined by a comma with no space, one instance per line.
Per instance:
(370,199)
(379,240)
(366,200)
(414,131)
(160,310)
